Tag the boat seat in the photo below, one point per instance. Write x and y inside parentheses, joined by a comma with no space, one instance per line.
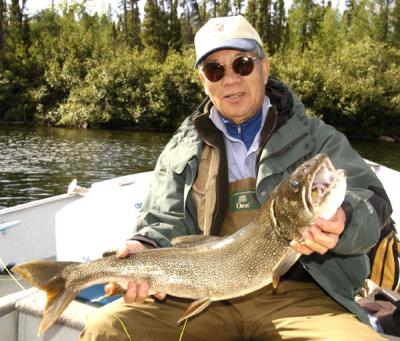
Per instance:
(67,327)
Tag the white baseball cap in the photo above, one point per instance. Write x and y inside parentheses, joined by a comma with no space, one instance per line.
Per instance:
(232,33)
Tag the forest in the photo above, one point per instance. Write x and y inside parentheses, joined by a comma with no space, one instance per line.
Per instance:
(65,66)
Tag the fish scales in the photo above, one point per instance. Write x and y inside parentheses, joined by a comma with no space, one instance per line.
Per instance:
(208,268)
(187,266)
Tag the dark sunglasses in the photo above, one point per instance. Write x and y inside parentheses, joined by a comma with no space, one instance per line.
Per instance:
(242,66)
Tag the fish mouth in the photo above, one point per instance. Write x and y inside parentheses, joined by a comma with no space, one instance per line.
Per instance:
(326,190)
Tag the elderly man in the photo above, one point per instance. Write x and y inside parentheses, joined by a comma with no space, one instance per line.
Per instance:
(248,135)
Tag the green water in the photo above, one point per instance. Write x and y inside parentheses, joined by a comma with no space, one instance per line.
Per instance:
(39,162)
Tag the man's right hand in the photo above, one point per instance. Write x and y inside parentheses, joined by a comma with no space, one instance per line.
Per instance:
(136,292)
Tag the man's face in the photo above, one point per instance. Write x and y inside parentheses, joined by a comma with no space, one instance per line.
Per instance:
(236,97)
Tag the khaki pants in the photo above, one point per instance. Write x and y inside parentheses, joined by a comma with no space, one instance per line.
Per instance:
(299,311)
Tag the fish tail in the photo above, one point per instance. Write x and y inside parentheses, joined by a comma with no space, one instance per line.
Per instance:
(47,276)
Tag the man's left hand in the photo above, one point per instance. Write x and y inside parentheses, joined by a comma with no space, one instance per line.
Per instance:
(322,236)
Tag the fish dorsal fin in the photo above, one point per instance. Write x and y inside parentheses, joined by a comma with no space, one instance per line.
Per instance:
(195,308)
(193,240)
(284,264)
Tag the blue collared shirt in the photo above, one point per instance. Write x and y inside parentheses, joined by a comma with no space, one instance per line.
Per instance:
(241,158)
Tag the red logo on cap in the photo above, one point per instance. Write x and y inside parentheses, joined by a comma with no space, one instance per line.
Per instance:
(220,27)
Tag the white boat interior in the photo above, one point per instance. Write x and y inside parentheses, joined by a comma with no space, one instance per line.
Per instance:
(91,220)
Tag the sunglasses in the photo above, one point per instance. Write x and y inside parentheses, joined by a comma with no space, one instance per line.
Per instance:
(242,66)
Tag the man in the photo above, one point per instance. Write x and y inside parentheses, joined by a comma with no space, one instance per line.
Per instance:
(248,135)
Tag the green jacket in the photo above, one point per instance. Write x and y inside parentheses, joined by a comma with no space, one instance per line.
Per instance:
(289,138)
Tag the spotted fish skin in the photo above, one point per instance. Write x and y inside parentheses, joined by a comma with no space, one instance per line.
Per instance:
(212,268)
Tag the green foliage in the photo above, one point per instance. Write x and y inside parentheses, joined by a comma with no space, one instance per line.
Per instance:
(68,67)
(155,32)
(132,89)
(355,88)
(174,91)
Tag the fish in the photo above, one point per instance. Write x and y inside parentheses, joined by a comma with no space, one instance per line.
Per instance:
(207,268)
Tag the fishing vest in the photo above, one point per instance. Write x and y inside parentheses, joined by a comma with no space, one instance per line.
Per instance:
(242,198)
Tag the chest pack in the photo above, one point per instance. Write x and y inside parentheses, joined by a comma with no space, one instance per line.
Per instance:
(385,259)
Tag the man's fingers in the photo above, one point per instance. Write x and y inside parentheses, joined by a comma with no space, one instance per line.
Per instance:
(142,292)
(301,248)
(123,251)
(335,224)
(160,295)
(327,240)
(312,244)
(136,292)
(131,292)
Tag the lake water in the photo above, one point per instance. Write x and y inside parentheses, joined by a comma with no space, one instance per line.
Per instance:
(37,162)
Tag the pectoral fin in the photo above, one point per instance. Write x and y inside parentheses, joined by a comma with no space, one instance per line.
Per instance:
(193,240)
(195,308)
(284,264)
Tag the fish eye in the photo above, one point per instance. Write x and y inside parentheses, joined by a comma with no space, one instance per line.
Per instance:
(295,184)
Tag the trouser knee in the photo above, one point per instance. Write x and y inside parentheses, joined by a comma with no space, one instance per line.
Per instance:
(103,326)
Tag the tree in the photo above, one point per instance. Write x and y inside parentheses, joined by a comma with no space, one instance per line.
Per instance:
(134,24)
(2,23)
(329,33)
(251,12)
(264,20)
(238,5)
(278,26)
(130,21)
(174,26)
(154,33)
(382,19)
(224,8)
(361,24)
(395,24)
(303,23)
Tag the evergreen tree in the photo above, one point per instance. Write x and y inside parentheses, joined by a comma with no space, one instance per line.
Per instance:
(251,12)
(264,21)
(134,24)
(2,22)
(186,23)
(174,27)
(349,14)
(238,5)
(224,8)
(303,23)
(213,8)
(16,25)
(395,24)
(154,33)
(361,22)
(125,21)
(329,33)
(381,20)
(278,26)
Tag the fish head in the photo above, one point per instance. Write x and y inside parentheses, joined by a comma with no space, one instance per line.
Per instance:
(315,189)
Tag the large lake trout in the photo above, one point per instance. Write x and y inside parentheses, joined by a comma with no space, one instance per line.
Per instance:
(207,268)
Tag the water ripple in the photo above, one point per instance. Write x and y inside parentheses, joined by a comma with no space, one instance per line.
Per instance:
(39,162)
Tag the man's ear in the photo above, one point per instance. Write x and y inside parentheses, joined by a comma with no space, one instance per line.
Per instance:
(203,81)
(265,66)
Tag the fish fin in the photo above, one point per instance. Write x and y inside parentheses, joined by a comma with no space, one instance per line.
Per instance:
(195,308)
(47,276)
(284,264)
(193,240)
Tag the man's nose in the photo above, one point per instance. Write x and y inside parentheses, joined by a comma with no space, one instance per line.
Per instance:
(230,75)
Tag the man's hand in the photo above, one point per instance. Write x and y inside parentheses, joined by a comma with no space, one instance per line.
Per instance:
(136,291)
(322,236)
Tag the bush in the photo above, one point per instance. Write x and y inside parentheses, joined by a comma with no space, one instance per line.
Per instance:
(356,88)
(134,89)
